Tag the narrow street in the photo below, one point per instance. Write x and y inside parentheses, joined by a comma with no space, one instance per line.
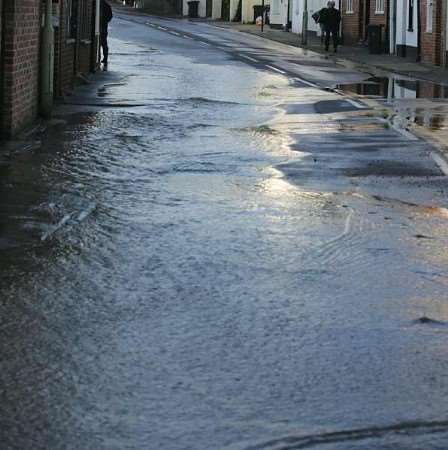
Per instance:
(210,248)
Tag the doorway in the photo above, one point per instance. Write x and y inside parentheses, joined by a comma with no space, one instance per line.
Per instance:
(1,66)
(209,7)
(364,18)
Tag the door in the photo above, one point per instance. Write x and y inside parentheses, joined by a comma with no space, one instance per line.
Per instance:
(1,67)
(209,7)
(366,18)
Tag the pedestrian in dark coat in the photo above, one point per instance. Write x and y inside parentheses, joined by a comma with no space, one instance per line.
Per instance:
(105,17)
(330,18)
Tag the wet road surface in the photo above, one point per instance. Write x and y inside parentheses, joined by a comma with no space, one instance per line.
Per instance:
(203,252)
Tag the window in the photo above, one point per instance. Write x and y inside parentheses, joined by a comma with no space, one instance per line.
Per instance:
(379,7)
(410,15)
(429,12)
(349,7)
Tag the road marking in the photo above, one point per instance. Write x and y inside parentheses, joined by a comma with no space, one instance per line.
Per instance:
(151,24)
(441,162)
(187,37)
(275,68)
(204,43)
(161,28)
(308,83)
(355,103)
(175,33)
(248,57)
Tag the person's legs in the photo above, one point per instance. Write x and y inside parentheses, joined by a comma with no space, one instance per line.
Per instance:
(335,39)
(327,39)
(104,47)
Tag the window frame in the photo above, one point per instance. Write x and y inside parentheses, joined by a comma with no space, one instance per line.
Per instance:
(410,18)
(349,7)
(429,15)
(379,6)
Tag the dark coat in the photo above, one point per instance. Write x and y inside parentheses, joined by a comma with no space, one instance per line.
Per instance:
(330,18)
(105,16)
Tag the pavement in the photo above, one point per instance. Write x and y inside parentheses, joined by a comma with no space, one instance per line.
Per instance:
(349,55)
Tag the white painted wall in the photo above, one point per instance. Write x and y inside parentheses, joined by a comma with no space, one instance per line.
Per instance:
(202,9)
(297,15)
(216,9)
(275,14)
(403,36)
(233,8)
(279,13)
(393,31)
(247,9)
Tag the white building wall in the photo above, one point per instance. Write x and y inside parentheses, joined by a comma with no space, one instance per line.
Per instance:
(284,12)
(247,10)
(297,15)
(216,9)
(279,12)
(275,16)
(233,8)
(403,36)
(202,8)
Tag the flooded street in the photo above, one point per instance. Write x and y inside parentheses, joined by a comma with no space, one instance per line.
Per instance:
(206,250)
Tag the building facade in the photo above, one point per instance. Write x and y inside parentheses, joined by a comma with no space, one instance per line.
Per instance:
(419,30)
(76,52)
(206,9)
(19,88)
(357,15)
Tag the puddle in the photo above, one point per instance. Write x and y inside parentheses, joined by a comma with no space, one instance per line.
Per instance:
(429,108)
(396,88)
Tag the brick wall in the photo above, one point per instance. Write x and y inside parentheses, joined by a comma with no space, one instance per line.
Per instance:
(20,64)
(351,23)
(20,56)
(431,42)
(354,24)
(73,49)
(378,18)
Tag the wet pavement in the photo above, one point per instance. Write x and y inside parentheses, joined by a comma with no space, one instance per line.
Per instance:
(208,250)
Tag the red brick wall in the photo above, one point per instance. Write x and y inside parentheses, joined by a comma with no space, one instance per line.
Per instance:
(20,82)
(378,19)
(431,43)
(73,55)
(354,24)
(351,22)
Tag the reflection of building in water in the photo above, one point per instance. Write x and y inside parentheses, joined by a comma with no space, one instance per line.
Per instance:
(391,87)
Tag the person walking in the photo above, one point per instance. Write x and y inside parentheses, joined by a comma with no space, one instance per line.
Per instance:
(330,19)
(105,17)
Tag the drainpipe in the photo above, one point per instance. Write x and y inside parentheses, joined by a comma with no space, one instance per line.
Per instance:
(97,31)
(305,23)
(443,37)
(47,62)
(419,32)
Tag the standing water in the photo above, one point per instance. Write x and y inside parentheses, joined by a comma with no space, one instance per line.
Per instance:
(177,274)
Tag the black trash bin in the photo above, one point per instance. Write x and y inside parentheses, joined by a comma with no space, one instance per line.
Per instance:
(375,38)
(193,7)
